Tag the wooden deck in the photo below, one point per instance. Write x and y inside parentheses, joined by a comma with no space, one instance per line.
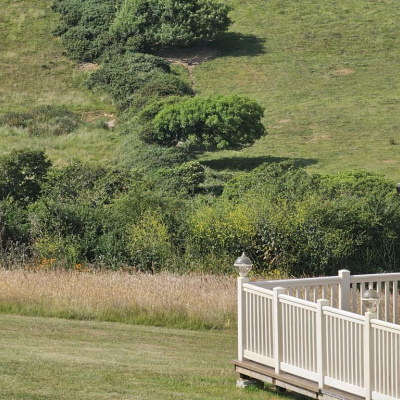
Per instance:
(250,370)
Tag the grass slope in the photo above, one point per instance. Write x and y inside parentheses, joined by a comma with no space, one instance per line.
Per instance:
(326,73)
(45,358)
(34,71)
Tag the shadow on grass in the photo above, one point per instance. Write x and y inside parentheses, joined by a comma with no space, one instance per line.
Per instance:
(237,44)
(249,163)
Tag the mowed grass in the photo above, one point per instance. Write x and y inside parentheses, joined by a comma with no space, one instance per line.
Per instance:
(327,74)
(54,359)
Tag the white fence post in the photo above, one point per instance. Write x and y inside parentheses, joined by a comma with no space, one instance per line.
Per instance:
(241,315)
(344,290)
(321,341)
(368,354)
(277,322)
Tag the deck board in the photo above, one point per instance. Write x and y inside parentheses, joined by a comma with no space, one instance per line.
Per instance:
(291,382)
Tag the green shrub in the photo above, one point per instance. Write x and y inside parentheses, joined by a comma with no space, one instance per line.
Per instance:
(183,179)
(319,224)
(150,242)
(156,90)
(162,22)
(85,215)
(94,183)
(84,26)
(123,76)
(213,122)
(22,173)
(142,122)
(149,158)
(14,224)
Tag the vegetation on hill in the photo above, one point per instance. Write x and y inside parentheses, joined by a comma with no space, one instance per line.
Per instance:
(157,206)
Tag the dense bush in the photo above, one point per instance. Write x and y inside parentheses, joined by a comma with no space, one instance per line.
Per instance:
(84,26)
(150,244)
(304,224)
(213,122)
(22,173)
(286,219)
(123,76)
(95,183)
(14,224)
(49,120)
(77,218)
(92,28)
(163,22)
(182,179)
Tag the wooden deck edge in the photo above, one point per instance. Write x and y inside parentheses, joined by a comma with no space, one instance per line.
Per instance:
(263,373)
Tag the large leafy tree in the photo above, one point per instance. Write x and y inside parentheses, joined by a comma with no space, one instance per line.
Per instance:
(218,122)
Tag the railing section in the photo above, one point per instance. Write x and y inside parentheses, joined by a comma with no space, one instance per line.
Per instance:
(344,350)
(386,359)
(355,353)
(345,291)
(387,286)
(256,334)
(299,337)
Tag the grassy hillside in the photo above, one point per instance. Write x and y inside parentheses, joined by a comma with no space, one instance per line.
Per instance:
(59,359)
(327,74)
(34,71)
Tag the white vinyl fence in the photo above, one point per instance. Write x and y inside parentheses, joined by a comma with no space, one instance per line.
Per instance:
(297,326)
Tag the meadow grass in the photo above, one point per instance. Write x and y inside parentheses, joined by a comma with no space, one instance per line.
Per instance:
(34,71)
(165,299)
(49,358)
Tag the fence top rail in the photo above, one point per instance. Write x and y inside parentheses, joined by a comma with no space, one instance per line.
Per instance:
(284,298)
(302,282)
(326,280)
(386,326)
(347,315)
(249,287)
(395,276)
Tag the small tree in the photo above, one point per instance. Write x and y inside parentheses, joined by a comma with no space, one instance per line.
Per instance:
(214,122)
(165,22)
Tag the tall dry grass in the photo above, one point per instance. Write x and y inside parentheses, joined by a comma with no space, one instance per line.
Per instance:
(165,299)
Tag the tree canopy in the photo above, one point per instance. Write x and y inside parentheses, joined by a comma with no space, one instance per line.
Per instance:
(170,22)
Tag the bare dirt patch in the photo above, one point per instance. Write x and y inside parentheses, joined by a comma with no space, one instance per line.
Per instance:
(189,57)
(389,161)
(320,138)
(92,116)
(88,66)
(344,71)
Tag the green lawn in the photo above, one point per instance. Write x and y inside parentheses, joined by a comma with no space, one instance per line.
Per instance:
(46,358)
